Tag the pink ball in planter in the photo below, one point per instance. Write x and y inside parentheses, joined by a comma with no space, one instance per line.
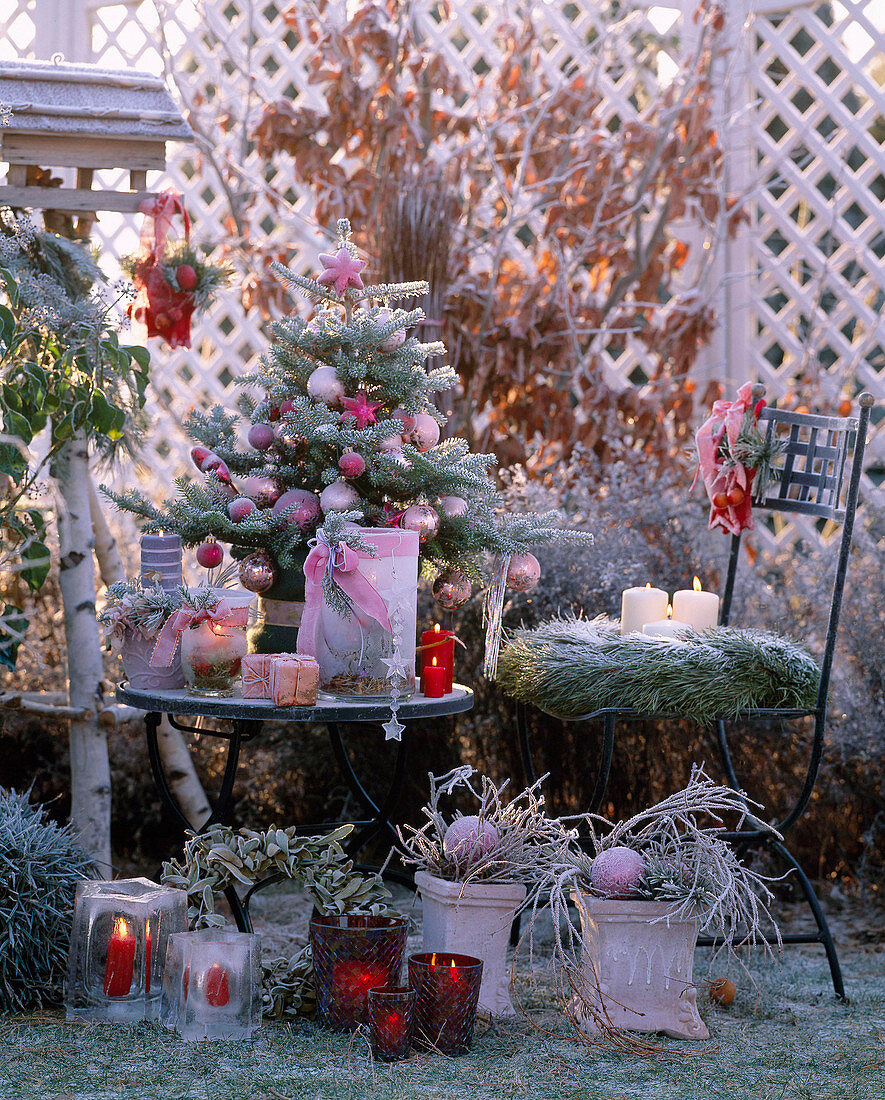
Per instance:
(468,839)
(617,873)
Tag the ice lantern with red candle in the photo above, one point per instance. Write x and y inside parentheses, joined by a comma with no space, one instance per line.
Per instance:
(351,955)
(118,948)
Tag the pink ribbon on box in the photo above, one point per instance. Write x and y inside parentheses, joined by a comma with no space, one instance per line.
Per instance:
(725,421)
(340,563)
(220,616)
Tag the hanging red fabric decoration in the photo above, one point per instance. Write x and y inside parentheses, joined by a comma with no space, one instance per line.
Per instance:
(161,308)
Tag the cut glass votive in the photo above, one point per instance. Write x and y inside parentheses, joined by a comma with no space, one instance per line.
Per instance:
(118,947)
(446,998)
(212,985)
(351,955)
(391,1011)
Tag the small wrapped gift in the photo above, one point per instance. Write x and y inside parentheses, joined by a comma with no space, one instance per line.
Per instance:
(293,681)
(255,670)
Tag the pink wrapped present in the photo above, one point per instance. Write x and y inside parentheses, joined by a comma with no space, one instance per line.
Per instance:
(294,680)
(256,674)
(308,681)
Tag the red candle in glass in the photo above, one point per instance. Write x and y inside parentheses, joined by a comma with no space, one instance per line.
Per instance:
(446,998)
(217,987)
(441,644)
(391,1009)
(433,680)
(148,947)
(351,981)
(120,961)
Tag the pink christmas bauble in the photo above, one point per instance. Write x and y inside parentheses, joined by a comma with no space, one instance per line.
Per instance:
(451,590)
(352,464)
(226,491)
(406,419)
(325,385)
(257,572)
(287,407)
(260,436)
(199,456)
(468,839)
(209,554)
(423,519)
(307,510)
(616,873)
(523,572)
(453,507)
(382,318)
(265,491)
(391,443)
(425,433)
(338,497)
(241,507)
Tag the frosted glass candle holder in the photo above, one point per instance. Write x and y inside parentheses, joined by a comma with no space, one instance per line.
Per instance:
(118,948)
(212,985)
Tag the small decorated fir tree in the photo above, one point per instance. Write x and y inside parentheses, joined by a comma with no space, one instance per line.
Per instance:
(347,433)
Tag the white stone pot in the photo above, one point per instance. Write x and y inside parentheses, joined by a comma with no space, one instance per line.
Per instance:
(640,965)
(473,920)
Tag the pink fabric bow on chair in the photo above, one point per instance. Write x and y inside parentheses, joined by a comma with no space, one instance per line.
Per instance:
(729,486)
(221,617)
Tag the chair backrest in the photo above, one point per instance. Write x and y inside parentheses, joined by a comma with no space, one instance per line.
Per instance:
(810,481)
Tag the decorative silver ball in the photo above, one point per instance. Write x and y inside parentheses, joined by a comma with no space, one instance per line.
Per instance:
(257,572)
(423,519)
(425,433)
(451,590)
(338,497)
(325,385)
(523,573)
(453,507)
(265,491)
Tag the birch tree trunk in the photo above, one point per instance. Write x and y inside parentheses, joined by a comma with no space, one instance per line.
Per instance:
(90,769)
(110,565)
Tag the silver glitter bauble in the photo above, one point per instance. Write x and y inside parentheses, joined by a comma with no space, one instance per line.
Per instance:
(523,573)
(325,385)
(451,590)
(425,433)
(423,519)
(338,497)
(453,507)
(257,572)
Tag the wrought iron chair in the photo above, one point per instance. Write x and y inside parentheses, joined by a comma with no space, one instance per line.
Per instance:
(810,483)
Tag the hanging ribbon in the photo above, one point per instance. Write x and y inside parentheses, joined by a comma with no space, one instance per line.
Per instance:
(719,479)
(493,614)
(339,564)
(159,308)
(220,617)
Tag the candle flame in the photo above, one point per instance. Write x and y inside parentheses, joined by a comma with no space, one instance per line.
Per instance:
(433,959)
(434,662)
(121,928)
(436,627)
(669,611)
(452,966)
(696,585)
(648,584)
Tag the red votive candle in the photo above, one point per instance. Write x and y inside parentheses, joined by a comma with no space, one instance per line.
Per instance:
(148,949)
(391,1010)
(446,998)
(433,680)
(120,961)
(217,986)
(441,645)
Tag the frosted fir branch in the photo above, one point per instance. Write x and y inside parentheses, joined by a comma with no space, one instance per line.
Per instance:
(392,292)
(131,500)
(310,287)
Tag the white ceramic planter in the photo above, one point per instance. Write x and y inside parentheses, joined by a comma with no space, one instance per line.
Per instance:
(641,966)
(473,920)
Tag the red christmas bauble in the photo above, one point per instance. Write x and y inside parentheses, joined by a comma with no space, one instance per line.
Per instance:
(351,464)
(186,277)
(199,456)
(209,554)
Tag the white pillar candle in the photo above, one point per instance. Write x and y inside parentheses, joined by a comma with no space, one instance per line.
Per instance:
(640,606)
(697,608)
(665,628)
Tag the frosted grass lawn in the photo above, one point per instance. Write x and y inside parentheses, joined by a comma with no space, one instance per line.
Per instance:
(786,1040)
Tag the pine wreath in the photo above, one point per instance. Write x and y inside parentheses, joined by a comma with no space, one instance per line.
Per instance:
(572,666)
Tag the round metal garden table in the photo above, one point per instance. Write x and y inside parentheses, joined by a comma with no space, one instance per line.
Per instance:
(245,718)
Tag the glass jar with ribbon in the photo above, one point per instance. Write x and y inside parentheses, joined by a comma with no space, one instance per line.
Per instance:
(360,612)
(212,628)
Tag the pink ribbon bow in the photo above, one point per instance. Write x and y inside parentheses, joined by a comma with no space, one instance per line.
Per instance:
(725,420)
(341,564)
(220,617)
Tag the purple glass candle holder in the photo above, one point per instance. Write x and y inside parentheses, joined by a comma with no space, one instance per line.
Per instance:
(391,1012)
(446,997)
(351,955)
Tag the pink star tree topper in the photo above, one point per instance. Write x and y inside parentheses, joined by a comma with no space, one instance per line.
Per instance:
(341,270)
(360,408)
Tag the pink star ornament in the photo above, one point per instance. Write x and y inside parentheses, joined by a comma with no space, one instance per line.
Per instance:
(341,270)
(360,409)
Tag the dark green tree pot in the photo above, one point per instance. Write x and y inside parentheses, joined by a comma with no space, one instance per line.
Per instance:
(279,613)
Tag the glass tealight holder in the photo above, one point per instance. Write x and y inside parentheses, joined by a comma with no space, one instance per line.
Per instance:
(351,955)
(391,1010)
(212,650)
(446,999)
(118,948)
(212,985)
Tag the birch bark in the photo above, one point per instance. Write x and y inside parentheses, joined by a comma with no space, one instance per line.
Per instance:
(90,769)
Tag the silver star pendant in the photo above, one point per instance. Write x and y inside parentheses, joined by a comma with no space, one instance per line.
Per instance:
(393,729)
(396,665)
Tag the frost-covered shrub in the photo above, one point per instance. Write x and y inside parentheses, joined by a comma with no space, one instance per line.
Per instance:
(40,866)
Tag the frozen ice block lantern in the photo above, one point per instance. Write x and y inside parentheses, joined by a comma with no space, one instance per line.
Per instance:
(212,985)
(118,948)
